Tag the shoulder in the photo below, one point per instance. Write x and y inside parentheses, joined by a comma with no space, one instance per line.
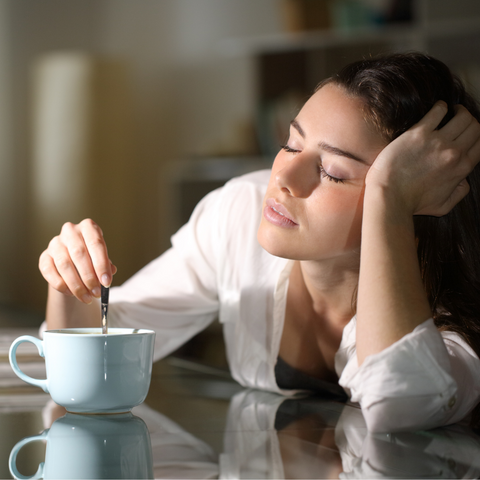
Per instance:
(228,213)
(239,194)
(250,183)
(247,191)
(239,201)
(240,204)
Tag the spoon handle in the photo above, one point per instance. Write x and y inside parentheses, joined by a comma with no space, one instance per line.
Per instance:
(105,291)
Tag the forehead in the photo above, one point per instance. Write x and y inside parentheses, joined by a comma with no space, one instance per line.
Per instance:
(333,116)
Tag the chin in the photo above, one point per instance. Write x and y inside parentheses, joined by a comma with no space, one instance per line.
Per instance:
(275,247)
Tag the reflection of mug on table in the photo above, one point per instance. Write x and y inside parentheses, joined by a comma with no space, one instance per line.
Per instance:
(102,446)
(91,372)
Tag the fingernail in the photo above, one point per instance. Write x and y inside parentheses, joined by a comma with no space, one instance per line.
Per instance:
(96,292)
(105,280)
(87,298)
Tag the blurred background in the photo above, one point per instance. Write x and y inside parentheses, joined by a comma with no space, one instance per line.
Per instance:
(128,112)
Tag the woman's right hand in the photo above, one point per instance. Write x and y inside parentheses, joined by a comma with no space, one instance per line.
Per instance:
(76,262)
(424,170)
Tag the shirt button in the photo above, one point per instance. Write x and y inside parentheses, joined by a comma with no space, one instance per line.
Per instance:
(452,401)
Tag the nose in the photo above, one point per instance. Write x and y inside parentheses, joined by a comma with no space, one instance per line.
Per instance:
(298,175)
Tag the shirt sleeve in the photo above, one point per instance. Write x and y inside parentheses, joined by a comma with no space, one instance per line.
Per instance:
(176,294)
(425,380)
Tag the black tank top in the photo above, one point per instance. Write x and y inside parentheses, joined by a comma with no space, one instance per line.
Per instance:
(289,378)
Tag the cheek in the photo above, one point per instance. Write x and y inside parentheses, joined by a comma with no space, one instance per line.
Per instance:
(342,202)
(343,211)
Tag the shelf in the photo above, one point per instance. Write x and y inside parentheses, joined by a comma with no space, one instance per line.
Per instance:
(459,27)
(406,33)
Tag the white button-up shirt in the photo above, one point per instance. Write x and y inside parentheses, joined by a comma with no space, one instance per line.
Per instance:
(216,268)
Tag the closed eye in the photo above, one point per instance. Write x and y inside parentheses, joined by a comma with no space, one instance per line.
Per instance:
(289,149)
(323,173)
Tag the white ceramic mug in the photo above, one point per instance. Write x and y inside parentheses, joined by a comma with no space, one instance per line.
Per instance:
(92,446)
(92,372)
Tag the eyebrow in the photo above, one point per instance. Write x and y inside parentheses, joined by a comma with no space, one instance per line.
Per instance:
(327,147)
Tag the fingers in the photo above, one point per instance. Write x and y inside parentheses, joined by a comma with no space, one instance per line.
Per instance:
(460,192)
(72,275)
(462,121)
(436,161)
(58,269)
(469,141)
(74,255)
(474,151)
(76,261)
(50,273)
(460,139)
(434,116)
(464,130)
(97,252)
(463,127)
(446,205)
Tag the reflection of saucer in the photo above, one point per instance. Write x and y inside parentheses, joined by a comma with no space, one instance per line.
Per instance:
(119,415)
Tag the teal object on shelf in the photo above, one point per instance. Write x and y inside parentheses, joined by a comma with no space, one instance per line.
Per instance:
(351,14)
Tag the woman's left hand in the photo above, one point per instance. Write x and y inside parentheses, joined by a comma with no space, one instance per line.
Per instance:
(424,170)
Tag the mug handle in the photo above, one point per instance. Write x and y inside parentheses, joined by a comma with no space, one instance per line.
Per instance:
(12,461)
(12,355)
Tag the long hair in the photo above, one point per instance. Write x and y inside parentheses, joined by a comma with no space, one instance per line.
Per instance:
(397,91)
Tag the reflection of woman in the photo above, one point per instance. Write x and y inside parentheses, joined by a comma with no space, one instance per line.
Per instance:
(363,158)
(449,452)
(266,437)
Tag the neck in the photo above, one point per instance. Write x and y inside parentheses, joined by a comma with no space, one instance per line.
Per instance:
(331,286)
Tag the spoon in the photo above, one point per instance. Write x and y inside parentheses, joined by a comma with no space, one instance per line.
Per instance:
(105,291)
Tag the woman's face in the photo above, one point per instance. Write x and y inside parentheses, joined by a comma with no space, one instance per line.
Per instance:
(314,202)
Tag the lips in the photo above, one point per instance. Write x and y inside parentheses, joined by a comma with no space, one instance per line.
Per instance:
(277,214)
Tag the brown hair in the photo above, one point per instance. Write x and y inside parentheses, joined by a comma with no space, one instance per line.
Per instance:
(398,90)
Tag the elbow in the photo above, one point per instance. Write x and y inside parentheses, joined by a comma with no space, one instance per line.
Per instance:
(381,418)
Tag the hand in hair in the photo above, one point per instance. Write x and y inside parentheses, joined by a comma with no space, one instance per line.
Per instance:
(424,170)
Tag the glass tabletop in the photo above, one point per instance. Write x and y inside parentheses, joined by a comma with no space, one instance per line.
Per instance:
(198,423)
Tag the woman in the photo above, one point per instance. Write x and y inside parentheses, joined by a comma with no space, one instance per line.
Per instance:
(375,164)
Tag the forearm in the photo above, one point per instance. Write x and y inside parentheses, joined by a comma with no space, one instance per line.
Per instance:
(391,297)
(67,312)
